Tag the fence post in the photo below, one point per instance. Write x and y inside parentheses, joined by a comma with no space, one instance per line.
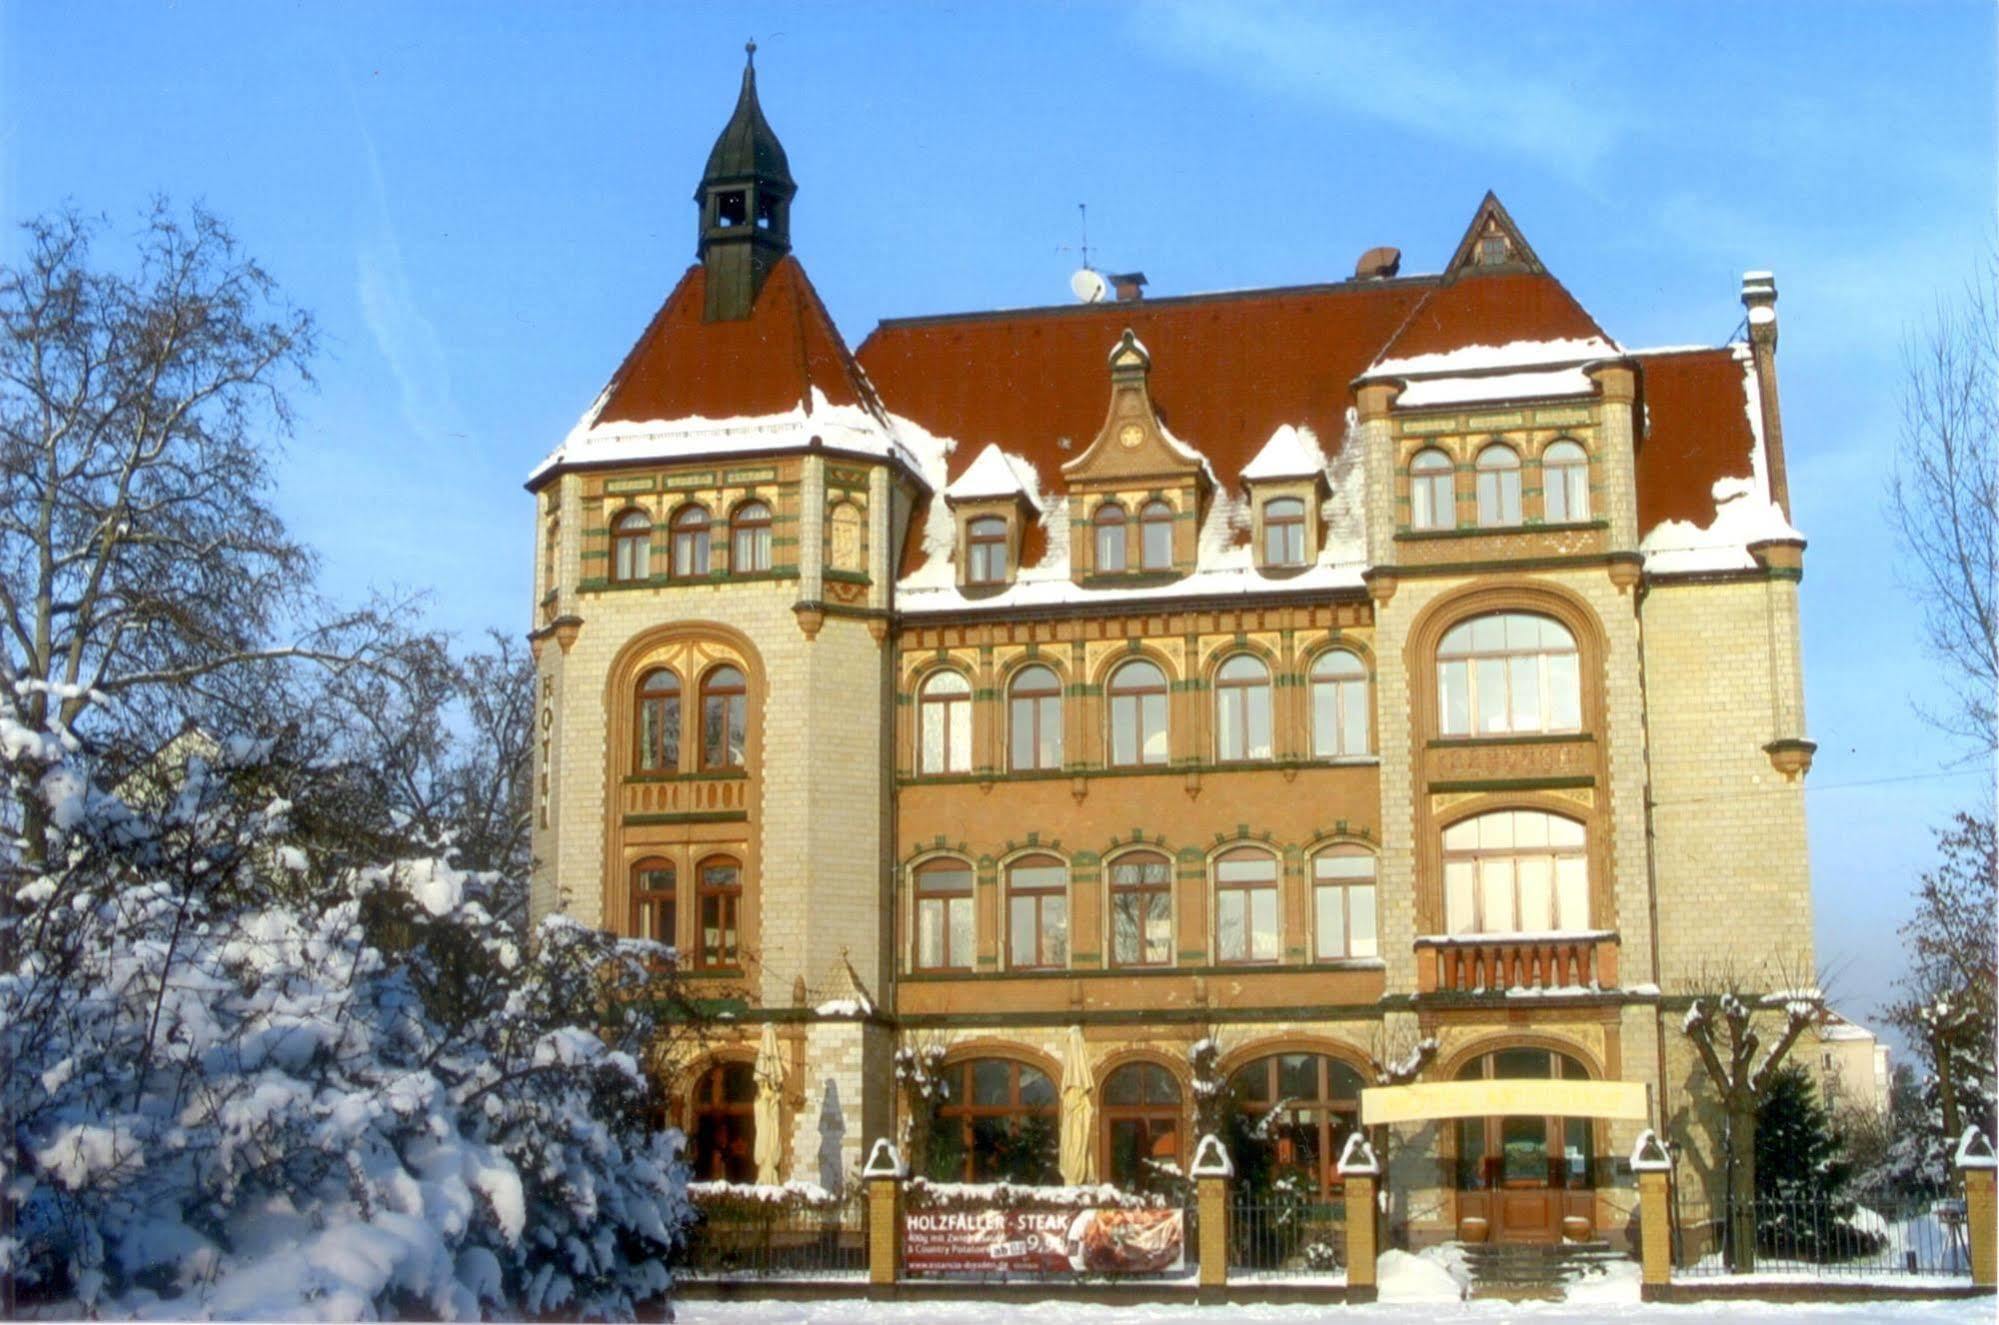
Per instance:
(1360,1171)
(1211,1170)
(883,1174)
(1653,1166)
(1976,1162)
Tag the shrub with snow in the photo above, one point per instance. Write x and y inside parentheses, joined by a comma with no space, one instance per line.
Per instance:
(229,1095)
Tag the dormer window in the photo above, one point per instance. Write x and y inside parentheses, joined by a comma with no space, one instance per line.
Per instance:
(690,541)
(1498,487)
(985,550)
(1433,496)
(1284,532)
(631,547)
(1155,526)
(1110,530)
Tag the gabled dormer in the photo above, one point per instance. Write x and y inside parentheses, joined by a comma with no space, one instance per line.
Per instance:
(993,503)
(1492,243)
(1137,493)
(1287,484)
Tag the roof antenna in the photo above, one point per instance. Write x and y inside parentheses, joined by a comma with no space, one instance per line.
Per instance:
(1083,209)
(1088,284)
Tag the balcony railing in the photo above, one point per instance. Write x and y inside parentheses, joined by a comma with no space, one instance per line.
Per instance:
(1496,963)
(695,794)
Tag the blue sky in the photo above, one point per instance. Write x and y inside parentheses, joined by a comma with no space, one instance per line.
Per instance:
(484,203)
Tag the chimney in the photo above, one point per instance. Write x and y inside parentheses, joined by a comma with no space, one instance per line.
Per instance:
(1378,264)
(1759,296)
(1130,286)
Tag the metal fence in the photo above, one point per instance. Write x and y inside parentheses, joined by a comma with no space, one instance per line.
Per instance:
(1286,1236)
(746,1239)
(1879,1235)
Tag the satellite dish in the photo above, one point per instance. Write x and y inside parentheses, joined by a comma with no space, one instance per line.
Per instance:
(1089,286)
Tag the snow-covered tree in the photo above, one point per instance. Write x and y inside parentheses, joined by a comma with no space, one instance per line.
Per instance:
(228,1096)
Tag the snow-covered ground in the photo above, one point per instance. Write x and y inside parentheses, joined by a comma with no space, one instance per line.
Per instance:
(972,1311)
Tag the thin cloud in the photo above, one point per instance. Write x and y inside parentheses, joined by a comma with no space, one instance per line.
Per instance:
(407,338)
(1414,72)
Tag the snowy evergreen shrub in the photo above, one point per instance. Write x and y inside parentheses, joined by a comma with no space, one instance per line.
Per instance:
(234,1089)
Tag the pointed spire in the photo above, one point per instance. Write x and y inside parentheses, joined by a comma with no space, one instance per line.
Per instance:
(745,196)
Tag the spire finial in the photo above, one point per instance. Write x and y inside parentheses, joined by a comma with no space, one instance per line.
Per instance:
(750,49)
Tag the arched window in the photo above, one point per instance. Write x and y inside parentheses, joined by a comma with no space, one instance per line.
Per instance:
(1246,906)
(1284,532)
(1141,910)
(1507,674)
(944,724)
(690,541)
(655,914)
(1339,705)
(1498,487)
(1522,1151)
(719,895)
(631,547)
(1242,709)
(749,538)
(1293,1115)
(725,1124)
(1343,904)
(996,1122)
(551,558)
(985,551)
(1109,523)
(1155,536)
(1514,872)
(1565,482)
(844,550)
(1141,1113)
(659,722)
(1138,714)
(724,718)
(1034,718)
(1037,913)
(1433,490)
(944,934)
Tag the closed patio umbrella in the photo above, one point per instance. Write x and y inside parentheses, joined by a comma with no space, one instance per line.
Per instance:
(1079,1114)
(769,1107)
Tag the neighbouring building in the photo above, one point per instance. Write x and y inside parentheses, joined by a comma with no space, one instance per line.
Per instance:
(1852,1070)
(1393,680)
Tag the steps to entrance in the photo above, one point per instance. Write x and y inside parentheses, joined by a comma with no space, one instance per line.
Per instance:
(1523,1272)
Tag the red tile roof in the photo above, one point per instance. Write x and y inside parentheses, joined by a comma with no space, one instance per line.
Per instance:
(1697,405)
(766,363)
(1492,309)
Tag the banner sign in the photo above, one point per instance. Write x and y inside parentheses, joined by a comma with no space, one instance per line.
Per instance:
(1091,1240)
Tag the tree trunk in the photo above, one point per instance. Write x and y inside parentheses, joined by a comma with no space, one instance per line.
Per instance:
(1742,1187)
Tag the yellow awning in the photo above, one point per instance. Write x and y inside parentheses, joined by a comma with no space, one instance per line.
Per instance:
(1483,1099)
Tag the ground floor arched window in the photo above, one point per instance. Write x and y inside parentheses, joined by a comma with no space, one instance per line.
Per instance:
(1141,1122)
(1292,1115)
(722,1124)
(996,1121)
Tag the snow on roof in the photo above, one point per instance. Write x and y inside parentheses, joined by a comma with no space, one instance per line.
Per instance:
(1291,452)
(1486,358)
(1427,392)
(994,473)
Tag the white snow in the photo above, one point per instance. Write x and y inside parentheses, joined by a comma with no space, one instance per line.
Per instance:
(994,473)
(1434,1275)
(1430,392)
(1291,452)
(842,1007)
(1742,516)
(1486,358)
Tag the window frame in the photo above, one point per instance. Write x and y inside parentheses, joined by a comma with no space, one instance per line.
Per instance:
(1290,524)
(691,531)
(631,547)
(930,700)
(1149,1117)
(1330,1117)
(1039,897)
(1433,490)
(1109,519)
(1347,886)
(1155,517)
(1236,703)
(734,698)
(646,901)
(1477,887)
(1339,704)
(946,901)
(704,1102)
(986,539)
(651,753)
(1131,700)
(1478,660)
(750,524)
(1148,891)
(1043,711)
(1568,475)
(727,897)
(1250,891)
(959,1108)
(1497,482)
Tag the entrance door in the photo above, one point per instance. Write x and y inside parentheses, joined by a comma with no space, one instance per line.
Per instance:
(1524,1174)
(1527,1204)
